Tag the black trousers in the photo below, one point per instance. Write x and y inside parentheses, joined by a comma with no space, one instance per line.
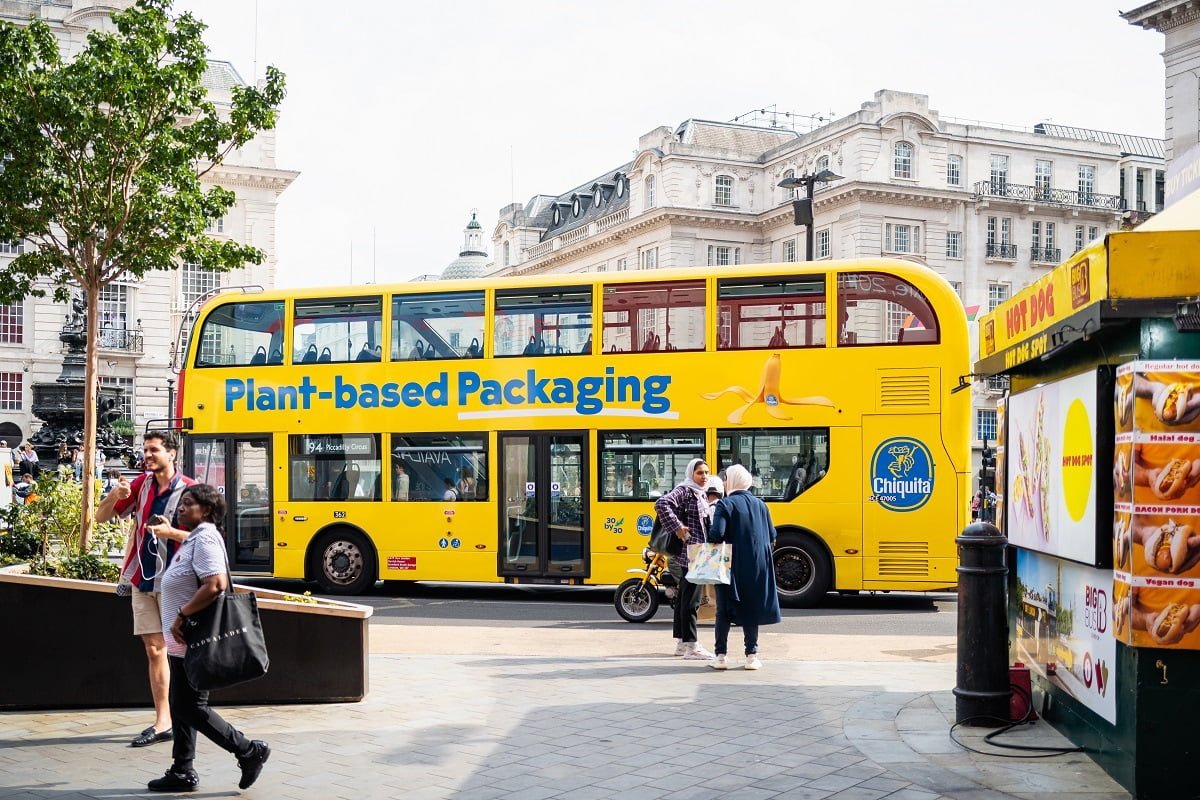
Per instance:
(724,616)
(190,713)
(686,606)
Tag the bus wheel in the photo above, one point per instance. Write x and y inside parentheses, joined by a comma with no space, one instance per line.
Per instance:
(636,601)
(801,571)
(344,563)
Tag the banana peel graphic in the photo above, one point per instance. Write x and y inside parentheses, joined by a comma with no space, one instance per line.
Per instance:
(768,393)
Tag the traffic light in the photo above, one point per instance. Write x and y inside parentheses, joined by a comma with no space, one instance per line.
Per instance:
(987,467)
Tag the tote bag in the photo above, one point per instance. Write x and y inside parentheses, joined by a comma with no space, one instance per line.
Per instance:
(709,563)
(225,643)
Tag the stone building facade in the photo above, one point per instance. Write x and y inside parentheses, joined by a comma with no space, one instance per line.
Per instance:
(141,322)
(989,207)
(1179,22)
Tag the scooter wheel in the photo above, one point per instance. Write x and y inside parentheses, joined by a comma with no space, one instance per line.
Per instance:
(636,601)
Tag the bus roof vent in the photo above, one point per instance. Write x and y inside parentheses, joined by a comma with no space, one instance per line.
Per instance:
(906,389)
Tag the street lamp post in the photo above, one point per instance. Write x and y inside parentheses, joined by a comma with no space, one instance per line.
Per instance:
(802,209)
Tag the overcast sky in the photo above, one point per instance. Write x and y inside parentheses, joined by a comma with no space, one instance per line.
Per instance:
(402,118)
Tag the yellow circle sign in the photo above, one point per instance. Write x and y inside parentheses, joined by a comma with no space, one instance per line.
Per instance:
(1077,460)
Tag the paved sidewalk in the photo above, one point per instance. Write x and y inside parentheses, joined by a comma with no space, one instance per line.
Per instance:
(555,726)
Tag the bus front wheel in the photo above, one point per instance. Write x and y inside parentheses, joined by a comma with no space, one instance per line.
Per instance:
(802,571)
(344,563)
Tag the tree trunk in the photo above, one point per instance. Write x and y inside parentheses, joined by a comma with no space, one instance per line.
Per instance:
(91,377)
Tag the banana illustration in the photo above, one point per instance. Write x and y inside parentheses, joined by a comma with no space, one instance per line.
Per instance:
(768,393)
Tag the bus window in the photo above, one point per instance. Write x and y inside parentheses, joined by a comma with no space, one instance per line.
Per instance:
(785,462)
(437,326)
(774,313)
(242,335)
(544,322)
(643,466)
(642,317)
(428,467)
(334,467)
(337,330)
(875,308)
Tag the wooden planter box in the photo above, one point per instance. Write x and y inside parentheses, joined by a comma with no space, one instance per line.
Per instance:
(69,644)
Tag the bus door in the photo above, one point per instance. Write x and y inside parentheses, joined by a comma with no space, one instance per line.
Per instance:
(240,468)
(544,489)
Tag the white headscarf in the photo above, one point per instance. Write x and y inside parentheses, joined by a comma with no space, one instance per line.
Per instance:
(687,481)
(737,478)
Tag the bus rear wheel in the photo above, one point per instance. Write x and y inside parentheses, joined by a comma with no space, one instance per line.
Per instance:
(344,563)
(802,571)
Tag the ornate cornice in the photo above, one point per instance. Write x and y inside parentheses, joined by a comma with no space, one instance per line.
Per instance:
(231,175)
(1164,15)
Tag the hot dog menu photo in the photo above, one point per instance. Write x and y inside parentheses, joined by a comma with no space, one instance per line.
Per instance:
(1156,488)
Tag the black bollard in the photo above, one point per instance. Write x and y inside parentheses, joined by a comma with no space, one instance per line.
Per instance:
(982,689)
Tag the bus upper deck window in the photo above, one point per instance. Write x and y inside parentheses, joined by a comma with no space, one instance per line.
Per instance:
(544,322)
(875,308)
(337,330)
(242,335)
(646,317)
(776,313)
(437,326)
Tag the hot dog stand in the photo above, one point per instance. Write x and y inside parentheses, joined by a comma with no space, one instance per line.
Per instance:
(1099,469)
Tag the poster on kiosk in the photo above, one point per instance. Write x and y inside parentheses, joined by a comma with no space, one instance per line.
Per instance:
(1051,460)
(1156,510)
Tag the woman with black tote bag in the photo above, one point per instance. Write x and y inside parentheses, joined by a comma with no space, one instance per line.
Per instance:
(196,576)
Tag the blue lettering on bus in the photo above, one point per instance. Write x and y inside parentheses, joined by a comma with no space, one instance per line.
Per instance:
(589,395)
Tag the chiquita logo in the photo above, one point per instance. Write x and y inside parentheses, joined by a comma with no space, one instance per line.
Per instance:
(901,474)
(1077,458)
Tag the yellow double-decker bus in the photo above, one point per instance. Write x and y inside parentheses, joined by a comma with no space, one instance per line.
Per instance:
(520,429)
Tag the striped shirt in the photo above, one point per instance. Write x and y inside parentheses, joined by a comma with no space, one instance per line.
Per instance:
(201,555)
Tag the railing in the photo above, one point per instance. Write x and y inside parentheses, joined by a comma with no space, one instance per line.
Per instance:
(128,339)
(994,250)
(579,234)
(1043,194)
(1050,255)
(571,237)
(538,250)
(614,219)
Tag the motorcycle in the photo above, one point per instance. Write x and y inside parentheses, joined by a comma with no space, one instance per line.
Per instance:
(637,599)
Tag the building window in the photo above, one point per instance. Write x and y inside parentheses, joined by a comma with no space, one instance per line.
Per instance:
(1035,240)
(954,171)
(650,258)
(114,314)
(822,244)
(999,174)
(126,387)
(197,282)
(957,287)
(997,294)
(1079,240)
(649,191)
(902,164)
(953,244)
(723,195)
(11,390)
(999,238)
(985,424)
(1087,183)
(1042,169)
(12,324)
(789,194)
(622,264)
(506,254)
(789,250)
(1093,233)
(822,164)
(12,248)
(723,255)
(215,225)
(901,238)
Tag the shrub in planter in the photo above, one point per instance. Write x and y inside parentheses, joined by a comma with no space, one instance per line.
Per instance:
(45,533)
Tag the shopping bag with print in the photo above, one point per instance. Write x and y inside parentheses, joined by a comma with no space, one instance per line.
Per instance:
(709,563)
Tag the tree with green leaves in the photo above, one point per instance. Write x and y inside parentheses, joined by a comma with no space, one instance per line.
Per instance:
(102,158)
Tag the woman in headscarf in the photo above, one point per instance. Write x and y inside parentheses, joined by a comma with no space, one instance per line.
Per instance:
(750,599)
(682,512)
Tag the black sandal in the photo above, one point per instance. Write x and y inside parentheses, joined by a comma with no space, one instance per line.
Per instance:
(149,736)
